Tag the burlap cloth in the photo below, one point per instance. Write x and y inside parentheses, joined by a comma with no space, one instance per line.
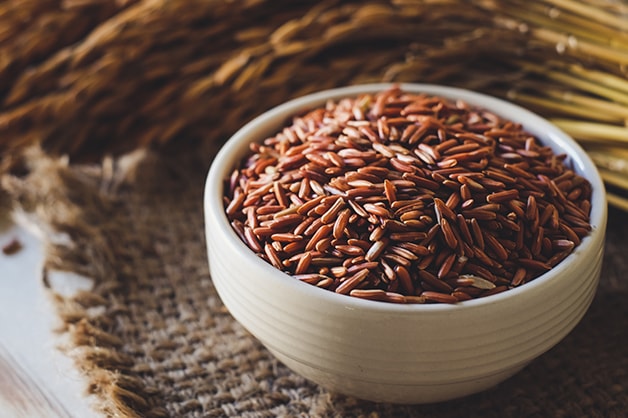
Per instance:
(155,340)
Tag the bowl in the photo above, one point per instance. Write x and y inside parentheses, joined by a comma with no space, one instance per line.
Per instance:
(400,353)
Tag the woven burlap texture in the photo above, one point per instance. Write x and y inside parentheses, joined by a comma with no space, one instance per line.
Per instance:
(154,339)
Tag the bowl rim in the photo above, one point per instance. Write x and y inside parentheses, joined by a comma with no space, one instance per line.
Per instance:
(578,159)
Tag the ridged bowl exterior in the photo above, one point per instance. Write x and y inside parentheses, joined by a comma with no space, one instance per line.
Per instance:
(400,353)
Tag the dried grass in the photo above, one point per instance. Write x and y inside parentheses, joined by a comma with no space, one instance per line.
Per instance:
(90,77)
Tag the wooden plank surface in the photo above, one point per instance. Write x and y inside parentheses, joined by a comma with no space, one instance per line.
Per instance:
(20,396)
(36,378)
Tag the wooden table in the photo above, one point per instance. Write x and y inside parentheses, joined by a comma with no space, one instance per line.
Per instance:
(36,378)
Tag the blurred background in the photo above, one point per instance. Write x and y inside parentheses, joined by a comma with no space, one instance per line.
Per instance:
(90,78)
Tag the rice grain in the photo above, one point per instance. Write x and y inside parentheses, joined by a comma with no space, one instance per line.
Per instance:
(407,198)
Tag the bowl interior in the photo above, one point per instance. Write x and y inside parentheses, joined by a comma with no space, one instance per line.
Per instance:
(271,121)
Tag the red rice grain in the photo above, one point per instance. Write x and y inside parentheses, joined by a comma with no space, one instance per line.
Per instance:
(407,198)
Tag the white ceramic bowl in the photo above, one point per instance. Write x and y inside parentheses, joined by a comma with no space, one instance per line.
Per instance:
(400,353)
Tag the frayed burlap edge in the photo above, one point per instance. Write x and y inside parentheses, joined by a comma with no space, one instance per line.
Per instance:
(68,211)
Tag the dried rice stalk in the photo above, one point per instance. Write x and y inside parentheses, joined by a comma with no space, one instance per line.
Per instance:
(119,75)
(33,30)
(218,80)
